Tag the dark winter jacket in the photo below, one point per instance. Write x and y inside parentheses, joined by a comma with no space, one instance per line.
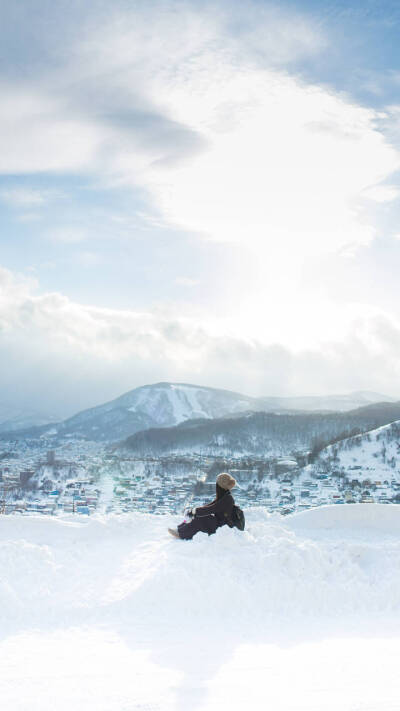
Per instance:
(221,508)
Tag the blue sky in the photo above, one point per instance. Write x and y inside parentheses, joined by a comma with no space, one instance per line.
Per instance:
(204,192)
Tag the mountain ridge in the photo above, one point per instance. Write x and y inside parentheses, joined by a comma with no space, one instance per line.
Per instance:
(260,433)
(167,404)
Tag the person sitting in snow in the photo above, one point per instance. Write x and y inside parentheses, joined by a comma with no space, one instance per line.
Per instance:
(211,516)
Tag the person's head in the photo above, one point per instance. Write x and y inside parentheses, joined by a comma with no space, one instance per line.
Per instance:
(225,482)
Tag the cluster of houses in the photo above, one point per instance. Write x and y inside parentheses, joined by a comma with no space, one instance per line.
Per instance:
(174,483)
(166,485)
(34,479)
(82,478)
(77,497)
(288,494)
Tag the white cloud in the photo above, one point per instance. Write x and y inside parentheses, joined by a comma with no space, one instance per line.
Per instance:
(268,180)
(186,281)
(226,143)
(24,197)
(67,235)
(288,171)
(103,111)
(38,133)
(80,355)
(382,193)
(26,217)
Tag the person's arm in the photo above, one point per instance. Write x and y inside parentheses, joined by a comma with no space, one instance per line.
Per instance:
(214,507)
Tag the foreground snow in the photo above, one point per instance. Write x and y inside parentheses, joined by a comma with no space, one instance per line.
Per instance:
(110,614)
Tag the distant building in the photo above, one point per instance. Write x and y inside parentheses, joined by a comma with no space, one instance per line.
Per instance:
(51,457)
(286,466)
(25,475)
(243,475)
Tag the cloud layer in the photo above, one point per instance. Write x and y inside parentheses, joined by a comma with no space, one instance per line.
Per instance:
(197,108)
(65,355)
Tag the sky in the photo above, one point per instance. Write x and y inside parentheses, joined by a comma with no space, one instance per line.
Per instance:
(198,192)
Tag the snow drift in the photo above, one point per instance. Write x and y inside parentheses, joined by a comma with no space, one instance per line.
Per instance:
(331,561)
(87,584)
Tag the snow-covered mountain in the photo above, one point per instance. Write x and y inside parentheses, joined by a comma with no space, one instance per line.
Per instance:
(159,405)
(14,418)
(169,404)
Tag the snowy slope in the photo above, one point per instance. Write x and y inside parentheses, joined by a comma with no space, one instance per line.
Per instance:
(374,455)
(171,403)
(120,616)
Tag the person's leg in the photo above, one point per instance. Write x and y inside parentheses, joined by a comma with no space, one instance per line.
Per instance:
(207,524)
(188,529)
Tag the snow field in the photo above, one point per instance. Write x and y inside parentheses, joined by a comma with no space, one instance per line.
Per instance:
(295,613)
(328,560)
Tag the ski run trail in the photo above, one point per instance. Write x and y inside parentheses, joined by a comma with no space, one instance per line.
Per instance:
(109,613)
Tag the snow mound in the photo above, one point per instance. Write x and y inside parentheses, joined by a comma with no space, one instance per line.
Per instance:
(330,561)
(374,519)
(112,614)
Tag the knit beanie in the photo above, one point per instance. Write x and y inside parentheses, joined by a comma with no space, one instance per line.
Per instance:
(226,481)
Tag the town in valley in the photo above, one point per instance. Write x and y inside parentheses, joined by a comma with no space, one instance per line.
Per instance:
(83,477)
